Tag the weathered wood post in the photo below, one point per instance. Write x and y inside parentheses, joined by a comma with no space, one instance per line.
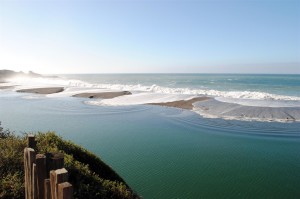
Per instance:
(34,182)
(37,167)
(31,156)
(65,191)
(56,177)
(31,143)
(54,161)
(26,173)
(29,159)
(47,191)
(41,174)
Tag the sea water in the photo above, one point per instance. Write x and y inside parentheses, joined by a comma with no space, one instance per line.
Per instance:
(233,96)
(173,153)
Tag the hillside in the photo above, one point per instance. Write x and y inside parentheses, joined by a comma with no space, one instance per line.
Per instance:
(89,175)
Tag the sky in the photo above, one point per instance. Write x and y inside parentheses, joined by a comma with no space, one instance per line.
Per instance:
(150,36)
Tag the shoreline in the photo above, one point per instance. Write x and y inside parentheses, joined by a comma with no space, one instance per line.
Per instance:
(46,90)
(102,95)
(183,104)
(202,105)
(6,87)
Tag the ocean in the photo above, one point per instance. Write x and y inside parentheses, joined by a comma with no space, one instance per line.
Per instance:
(244,142)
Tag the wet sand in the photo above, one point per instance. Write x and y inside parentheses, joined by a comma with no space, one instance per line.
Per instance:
(48,90)
(184,104)
(6,87)
(104,95)
(215,108)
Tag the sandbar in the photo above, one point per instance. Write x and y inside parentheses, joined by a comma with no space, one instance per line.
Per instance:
(103,95)
(6,87)
(48,90)
(183,104)
(215,108)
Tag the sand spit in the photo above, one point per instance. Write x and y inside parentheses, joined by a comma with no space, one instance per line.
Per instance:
(103,95)
(214,108)
(48,90)
(184,104)
(6,87)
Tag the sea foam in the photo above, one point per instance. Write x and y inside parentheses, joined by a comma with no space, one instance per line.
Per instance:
(241,105)
(71,83)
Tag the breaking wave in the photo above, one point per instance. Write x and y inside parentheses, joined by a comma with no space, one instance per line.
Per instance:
(153,89)
(240,105)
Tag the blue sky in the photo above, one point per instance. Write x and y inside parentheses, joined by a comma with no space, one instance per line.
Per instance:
(233,36)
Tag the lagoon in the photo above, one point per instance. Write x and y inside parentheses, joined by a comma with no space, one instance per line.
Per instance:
(171,153)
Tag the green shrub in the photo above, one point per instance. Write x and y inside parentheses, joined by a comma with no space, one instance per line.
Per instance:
(11,165)
(89,175)
(12,185)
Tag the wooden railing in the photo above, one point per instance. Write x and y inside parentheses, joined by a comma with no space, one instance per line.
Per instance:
(45,175)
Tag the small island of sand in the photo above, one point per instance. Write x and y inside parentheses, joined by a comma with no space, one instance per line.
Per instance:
(6,87)
(48,90)
(184,104)
(104,95)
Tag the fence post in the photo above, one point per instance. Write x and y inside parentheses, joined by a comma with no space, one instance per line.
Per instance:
(65,191)
(31,143)
(47,190)
(29,159)
(34,182)
(52,184)
(54,161)
(56,177)
(38,167)
(26,175)
(41,174)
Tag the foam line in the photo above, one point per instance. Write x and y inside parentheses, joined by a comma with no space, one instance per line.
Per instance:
(69,83)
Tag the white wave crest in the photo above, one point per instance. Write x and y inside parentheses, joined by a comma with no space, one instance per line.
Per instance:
(260,103)
(140,98)
(188,91)
(153,89)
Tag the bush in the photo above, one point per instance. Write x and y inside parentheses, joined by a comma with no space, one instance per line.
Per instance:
(89,175)
(11,165)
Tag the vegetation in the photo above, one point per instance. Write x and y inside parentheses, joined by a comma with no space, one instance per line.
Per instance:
(90,177)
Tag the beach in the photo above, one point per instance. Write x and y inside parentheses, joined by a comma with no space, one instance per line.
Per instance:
(245,102)
(203,105)
(6,87)
(104,95)
(45,91)
(183,104)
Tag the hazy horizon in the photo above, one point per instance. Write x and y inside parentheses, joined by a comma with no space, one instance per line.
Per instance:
(121,73)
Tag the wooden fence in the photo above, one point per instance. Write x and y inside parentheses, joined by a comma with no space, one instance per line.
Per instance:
(45,177)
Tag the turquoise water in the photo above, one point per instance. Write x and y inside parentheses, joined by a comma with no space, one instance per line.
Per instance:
(171,153)
(275,84)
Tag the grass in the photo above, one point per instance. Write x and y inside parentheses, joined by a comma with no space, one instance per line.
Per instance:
(89,175)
